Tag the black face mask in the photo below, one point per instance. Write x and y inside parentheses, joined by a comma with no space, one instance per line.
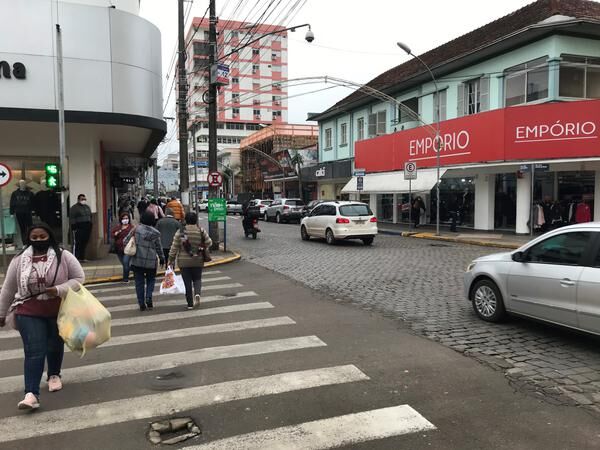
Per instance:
(40,246)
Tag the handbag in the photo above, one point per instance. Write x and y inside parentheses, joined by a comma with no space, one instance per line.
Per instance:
(205,253)
(131,247)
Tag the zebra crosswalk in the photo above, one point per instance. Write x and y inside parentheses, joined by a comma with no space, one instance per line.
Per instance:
(237,326)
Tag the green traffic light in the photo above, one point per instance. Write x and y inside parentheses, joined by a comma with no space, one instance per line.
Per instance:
(52,169)
(51,181)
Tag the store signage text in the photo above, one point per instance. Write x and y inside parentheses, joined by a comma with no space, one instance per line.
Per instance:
(557,131)
(448,142)
(320,172)
(18,70)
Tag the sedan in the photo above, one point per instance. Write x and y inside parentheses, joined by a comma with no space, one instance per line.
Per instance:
(554,278)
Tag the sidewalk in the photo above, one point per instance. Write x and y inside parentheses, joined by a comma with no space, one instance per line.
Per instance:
(109,269)
(497,239)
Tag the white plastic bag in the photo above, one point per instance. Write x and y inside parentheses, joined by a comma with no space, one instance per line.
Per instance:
(171,283)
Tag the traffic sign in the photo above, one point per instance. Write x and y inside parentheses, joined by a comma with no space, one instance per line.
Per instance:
(5,175)
(217,210)
(410,171)
(359,183)
(359,172)
(201,163)
(215,179)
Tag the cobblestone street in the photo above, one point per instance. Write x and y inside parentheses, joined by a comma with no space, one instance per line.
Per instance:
(419,283)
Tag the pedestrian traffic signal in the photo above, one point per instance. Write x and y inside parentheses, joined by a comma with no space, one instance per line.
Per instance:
(52,176)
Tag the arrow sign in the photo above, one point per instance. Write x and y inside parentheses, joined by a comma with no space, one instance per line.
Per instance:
(5,174)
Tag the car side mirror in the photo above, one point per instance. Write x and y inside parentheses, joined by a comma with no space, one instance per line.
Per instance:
(520,257)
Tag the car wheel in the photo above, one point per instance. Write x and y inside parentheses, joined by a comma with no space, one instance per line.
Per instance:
(329,237)
(304,234)
(368,240)
(487,301)
(278,218)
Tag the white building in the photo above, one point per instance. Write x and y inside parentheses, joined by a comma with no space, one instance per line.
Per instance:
(112,94)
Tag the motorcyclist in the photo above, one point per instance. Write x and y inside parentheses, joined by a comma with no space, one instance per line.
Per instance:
(250,213)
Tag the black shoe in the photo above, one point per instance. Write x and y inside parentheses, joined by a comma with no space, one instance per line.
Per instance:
(149,305)
(142,308)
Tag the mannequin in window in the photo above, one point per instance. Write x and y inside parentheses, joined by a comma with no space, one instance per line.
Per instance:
(21,206)
(47,205)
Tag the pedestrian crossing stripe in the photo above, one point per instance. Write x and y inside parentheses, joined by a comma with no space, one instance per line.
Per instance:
(329,433)
(164,403)
(131,286)
(178,300)
(150,318)
(94,372)
(92,287)
(173,334)
(128,294)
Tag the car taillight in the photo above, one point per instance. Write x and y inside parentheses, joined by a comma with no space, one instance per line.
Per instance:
(373,219)
(342,220)
(286,207)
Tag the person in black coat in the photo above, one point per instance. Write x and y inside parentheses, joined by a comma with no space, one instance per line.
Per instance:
(21,206)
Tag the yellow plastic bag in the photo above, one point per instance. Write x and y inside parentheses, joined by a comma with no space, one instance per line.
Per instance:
(83,322)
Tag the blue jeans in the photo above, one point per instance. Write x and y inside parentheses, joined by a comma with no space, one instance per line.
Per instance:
(124,260)
(144,284)
(41,342)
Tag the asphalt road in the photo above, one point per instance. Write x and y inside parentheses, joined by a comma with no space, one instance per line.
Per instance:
(418,283)
(267,362)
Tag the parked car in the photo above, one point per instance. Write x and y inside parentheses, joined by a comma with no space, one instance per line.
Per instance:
(285,210)
(554,278)
(340,220)
(263,205)
(203,205)
(234,208)
(310,206)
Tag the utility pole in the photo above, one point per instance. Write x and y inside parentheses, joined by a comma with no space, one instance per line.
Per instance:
(195,163)
(182,86)
(213,192)
(64,195)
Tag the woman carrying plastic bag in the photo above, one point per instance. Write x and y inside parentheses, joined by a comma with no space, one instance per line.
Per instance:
(171,283)
(36,281)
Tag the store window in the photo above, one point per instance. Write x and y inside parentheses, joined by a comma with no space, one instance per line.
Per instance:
(385,207)
(456,194)
(526,82)
(563,198)
(505,202)
(579,77)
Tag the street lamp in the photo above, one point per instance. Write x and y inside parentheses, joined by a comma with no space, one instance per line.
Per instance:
(437,141)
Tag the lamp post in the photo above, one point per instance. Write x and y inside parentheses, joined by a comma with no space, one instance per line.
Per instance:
(437,141)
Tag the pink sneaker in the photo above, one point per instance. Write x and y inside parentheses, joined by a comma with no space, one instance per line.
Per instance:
(29,402)
(54,383)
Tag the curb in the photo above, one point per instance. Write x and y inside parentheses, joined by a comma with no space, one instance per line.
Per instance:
(461,240)
(230,259)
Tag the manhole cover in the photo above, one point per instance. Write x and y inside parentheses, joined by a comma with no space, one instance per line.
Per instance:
(173,431)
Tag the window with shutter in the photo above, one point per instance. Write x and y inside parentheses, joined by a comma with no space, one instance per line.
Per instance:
(460,101)
(484,94)
(381,122)
(372,125)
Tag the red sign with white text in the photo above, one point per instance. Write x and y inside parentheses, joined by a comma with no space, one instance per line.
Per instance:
(551,130)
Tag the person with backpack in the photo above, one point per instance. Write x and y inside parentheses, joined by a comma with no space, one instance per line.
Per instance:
(155,209)
(143,264)
(37,280)
(190,249)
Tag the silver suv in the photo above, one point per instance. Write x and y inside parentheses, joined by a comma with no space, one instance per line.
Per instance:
(263,205)
(285,210)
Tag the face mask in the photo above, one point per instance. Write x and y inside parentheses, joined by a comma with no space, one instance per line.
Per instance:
(83,202)
(124,221)
(40,246)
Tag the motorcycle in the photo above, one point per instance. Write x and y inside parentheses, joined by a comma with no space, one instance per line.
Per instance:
(251,227)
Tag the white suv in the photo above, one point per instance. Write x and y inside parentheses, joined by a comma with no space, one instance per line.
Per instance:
(263,205)
(340,220)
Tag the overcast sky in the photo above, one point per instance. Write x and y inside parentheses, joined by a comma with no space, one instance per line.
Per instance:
(354,40)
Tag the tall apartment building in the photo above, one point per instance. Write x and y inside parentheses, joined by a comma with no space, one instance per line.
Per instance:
(256,93)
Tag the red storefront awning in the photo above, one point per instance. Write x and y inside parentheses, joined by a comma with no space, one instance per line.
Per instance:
(545,131)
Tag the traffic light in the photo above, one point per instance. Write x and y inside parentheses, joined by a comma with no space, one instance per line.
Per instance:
(53,176)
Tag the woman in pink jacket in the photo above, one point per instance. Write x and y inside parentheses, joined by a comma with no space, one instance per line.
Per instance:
(36,281)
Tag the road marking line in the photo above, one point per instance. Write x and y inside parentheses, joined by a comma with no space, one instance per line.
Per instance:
(172,334)
(171,316)
(92,287)
(131,285)
(163,404)
(166,361)
(177,300)
(329,433)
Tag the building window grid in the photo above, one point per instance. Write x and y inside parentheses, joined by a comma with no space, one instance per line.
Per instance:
(589,85)
(360,129)
(377,123)
(344,134)
(526,82)
(328,133)
(439,105)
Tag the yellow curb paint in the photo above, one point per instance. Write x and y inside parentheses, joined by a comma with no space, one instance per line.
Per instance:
(220,262)
(464,241)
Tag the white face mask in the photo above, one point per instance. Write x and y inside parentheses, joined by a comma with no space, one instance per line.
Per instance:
(83,202)
(124,221)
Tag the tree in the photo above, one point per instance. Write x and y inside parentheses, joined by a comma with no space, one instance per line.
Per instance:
(297,162)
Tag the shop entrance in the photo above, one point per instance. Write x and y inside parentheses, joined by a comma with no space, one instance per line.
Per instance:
(456,195)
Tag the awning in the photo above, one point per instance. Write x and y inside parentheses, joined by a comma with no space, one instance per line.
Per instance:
(394,182)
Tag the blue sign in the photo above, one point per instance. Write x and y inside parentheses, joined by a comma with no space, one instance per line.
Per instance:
(201,163)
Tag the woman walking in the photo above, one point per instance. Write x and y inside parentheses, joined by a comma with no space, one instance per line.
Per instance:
(155,209)
(143,263)
(36,281)
(188,249)
(119,233)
